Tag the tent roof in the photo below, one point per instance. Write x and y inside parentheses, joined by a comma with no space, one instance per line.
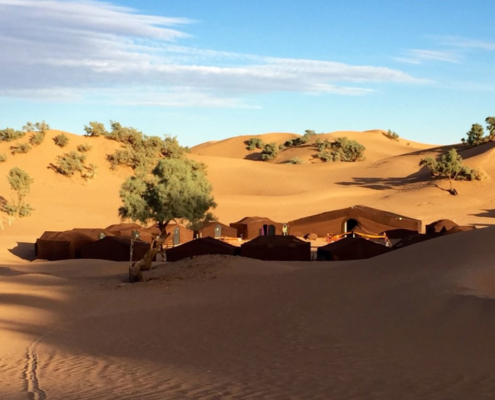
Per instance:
(275,240)
(65,236)
(123,227)
(350,242)
(249,220)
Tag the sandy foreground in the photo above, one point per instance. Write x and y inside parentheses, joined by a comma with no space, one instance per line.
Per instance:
(417,323)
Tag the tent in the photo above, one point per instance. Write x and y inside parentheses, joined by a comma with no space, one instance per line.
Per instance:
(60,245)
(357,218)
(418,237)
(200,247)
(178,234)
(351,248)
(216,229)
(114,248)
(277,248)
(251,227)
(126,226)
(440,226)
(94,233)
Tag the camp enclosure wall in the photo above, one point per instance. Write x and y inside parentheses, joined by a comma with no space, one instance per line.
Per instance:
(277,248)
(114,248)
(357,218)
(200,247)
(351,249)
(251,227)
(178,234)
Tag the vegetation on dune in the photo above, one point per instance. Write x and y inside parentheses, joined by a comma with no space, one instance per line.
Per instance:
(295,160)
(254,143)
(308,134)
(3,158)
(38,126)
(342,149)
(70,163)
(450,166)
(9,135)
(20,148)
(270,151)
(20,182)
(391,135)
(476,135)
(61,140)
(37,138)
(84,148)
(140,152)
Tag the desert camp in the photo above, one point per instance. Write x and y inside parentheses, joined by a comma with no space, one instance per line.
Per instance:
(247,200)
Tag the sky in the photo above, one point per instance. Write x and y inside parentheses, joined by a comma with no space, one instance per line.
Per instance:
(209,70)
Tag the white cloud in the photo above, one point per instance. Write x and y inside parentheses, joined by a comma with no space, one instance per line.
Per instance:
(465,43)
(89,46)
(417,56)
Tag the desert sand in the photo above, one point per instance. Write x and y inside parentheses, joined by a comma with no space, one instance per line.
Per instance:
(416,323)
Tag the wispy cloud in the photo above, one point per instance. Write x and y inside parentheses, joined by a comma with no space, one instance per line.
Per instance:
(89,47)
(466,43)
(417,56)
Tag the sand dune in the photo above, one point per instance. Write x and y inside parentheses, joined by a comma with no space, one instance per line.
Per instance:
(412,324)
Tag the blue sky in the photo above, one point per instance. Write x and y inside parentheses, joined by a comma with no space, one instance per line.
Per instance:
(207,70)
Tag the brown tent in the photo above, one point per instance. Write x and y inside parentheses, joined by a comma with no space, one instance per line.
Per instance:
(418,238)
(95,233)
(277,248)
(178,234)
(60,245)
(251,227)
(126,226)
(216,230)
(114,248)
(351,248)
(440,226)
(357,218)
(200,247)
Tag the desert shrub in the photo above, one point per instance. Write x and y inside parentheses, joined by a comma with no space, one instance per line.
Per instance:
(70,163)
(254,143)
(61,140)
(89,171)
(38,126)
(37,138)
(84,148)
(282,147)
(20,182)
(124,157)
(343,149)
(9,135)
(270,151)
(126,135)
(295,160)
(3,158)
(391,135)
(474,136)
(95,129)
(20,148)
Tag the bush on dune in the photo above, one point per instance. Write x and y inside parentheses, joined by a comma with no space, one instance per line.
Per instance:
(342,149)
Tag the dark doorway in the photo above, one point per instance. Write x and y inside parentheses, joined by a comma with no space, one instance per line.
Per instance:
(218,231)
(271,230)
(176,236)
(350,225)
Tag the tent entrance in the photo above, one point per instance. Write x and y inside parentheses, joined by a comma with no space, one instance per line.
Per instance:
(218,231)
(176,236)
(350,225)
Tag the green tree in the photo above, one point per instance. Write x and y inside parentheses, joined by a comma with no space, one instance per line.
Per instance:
(176,189)
(490,126)
(448,166)
(474,135)
(20,182)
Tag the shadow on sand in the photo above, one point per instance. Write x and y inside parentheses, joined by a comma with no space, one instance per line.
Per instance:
(24,250)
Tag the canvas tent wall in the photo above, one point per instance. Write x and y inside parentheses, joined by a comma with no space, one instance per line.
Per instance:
(216,229)
(251,227)
(114,248)
(277,248)
(357,218)
(200,247)
(442,225)
(351,249)
(60,245)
